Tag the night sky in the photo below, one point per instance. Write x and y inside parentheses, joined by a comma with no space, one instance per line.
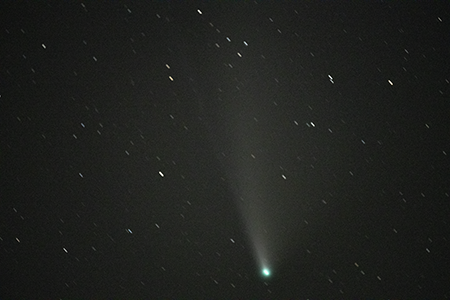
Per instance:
(165,150)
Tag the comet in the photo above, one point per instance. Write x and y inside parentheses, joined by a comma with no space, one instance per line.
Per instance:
(266,272)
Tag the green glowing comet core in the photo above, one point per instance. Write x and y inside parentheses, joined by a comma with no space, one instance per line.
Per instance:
(266,272)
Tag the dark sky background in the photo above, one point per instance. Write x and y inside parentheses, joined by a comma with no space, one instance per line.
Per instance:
(164,150)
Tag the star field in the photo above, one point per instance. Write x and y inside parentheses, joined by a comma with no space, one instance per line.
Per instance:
(224,150)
